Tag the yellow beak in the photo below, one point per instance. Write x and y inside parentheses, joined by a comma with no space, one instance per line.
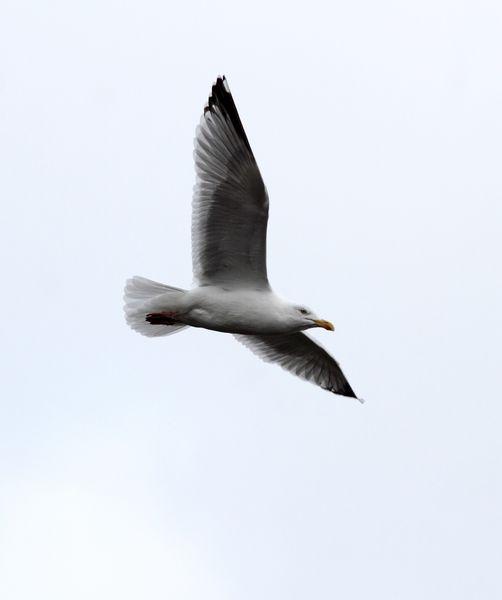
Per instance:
(325,324)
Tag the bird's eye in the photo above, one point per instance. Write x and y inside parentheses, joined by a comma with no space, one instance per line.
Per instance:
(304,311)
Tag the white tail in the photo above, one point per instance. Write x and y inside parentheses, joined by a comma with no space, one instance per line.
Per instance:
(143,296)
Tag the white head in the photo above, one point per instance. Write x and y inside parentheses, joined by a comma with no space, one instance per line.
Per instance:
(304,318)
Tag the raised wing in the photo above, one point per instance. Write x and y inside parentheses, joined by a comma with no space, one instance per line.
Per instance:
(300,355)
(230,203)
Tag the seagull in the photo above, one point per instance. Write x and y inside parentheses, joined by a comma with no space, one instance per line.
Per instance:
(229,235)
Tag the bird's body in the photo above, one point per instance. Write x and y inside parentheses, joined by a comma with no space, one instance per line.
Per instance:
(243,311)
(233,295)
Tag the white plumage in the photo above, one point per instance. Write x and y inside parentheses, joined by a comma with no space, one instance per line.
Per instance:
(229,234)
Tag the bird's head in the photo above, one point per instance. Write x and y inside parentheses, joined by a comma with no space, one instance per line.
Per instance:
(305,318)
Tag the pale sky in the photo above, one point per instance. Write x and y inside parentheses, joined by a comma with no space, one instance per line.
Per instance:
(183,467)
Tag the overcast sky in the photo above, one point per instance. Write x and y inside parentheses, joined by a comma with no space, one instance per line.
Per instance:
(184,467)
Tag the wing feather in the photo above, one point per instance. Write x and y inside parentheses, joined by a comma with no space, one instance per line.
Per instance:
(230,203)
(300,355)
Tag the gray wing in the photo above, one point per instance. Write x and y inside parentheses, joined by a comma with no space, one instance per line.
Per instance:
(300,355)
(230,202)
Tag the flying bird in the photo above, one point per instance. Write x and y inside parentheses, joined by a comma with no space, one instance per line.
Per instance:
(229,235)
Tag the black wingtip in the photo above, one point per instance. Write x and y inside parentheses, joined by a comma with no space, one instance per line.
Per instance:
(221,96)
(346,391)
